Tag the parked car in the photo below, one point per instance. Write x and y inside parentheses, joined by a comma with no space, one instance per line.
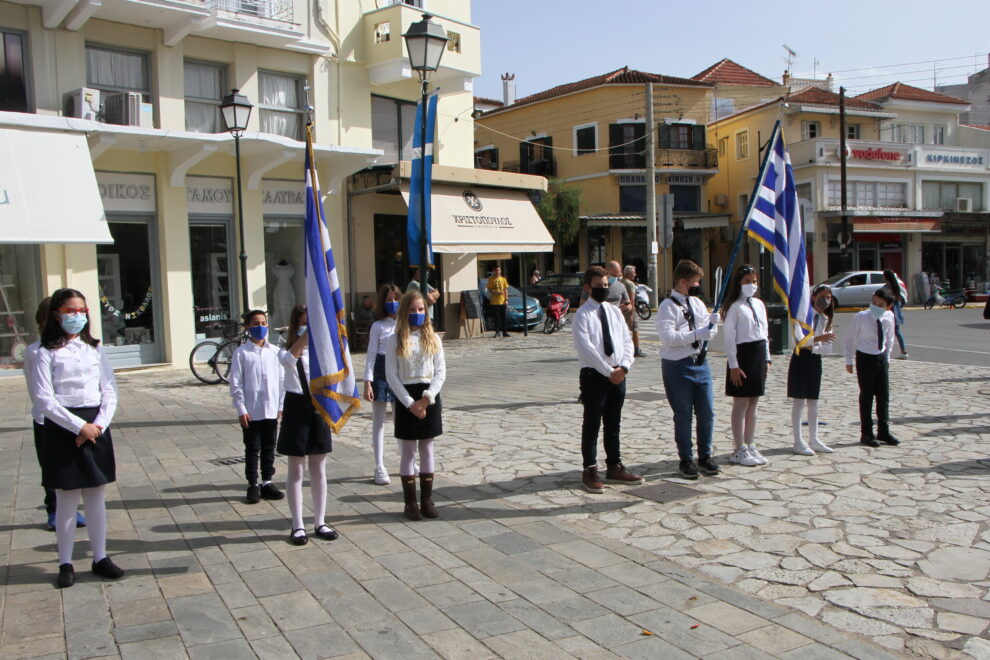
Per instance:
(856,288)
(569,285)
(514,314)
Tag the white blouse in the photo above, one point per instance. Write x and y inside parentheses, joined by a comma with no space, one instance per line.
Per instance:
(30,357)
(256,381)
(76,375)
(378,337)
(290,374)
(744,324)
(416,367)
(818,328)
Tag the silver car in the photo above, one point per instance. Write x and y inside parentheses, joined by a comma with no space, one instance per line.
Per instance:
(856,288)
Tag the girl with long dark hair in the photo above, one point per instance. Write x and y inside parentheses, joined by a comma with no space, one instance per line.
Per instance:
(895,288)
(376,388)
(804,373)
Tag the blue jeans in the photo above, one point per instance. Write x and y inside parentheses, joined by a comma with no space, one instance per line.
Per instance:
(689,392)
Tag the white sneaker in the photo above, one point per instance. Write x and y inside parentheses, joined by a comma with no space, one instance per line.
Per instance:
(743,457)
(381,476)
(818,445)
(756,455)
(902,356)
(802,449)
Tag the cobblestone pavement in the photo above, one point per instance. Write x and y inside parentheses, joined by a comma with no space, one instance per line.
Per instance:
(808,557)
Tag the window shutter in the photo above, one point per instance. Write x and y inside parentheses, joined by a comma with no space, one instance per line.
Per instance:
(494,159)
(664,136)
(639,146)
(698,137)
(524,156)
(614,153)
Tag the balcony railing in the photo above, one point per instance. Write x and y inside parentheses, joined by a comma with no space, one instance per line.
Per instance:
(546,168)
(700,158)
(272,10)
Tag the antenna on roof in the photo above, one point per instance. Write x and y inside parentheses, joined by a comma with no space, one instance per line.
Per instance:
(791,54)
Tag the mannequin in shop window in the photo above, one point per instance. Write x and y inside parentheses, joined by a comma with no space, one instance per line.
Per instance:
(285,295)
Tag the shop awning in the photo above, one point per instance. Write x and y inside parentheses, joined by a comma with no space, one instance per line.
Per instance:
(48,191)
(478,219)
(896,225)
(705,222)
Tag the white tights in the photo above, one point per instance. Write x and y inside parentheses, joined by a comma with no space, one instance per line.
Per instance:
(66,504)
(407,464)
(317,488)
(812,419)
(744,420)
(379,414)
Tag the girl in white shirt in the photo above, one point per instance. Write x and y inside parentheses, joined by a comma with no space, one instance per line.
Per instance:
(303,437)
(74,388)
(748,352)
(375,381)
(804,374)
(415,368)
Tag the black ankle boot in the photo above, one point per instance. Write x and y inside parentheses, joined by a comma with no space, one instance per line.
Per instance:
(426,499)
(409,494)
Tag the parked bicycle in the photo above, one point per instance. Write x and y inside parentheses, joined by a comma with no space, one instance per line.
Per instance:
(210,358)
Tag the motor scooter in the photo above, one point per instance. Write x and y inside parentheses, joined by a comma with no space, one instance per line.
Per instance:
(643,301)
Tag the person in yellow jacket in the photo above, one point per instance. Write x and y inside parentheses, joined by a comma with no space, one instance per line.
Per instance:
(498,294)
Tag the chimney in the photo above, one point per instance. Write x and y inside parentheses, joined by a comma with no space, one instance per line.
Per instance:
(828,82)
(508,88)
(786,78)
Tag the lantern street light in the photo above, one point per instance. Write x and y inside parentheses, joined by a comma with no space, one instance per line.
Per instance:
(425,44)
(235,110)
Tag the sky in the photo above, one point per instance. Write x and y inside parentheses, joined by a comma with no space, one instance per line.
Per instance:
(865,43)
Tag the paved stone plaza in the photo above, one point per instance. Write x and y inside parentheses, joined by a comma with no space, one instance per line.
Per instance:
(864,552)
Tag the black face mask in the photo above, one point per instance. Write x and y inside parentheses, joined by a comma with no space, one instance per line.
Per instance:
(821,304)
(599,293)
(695,291)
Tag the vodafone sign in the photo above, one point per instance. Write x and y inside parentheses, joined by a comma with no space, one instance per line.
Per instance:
(874,153)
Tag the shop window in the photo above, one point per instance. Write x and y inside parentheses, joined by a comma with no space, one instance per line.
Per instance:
(127,294)
(13,72)
(852,131)
(392,125)
(205,86)
(280,107)
(810,130)
(19,297)
(632,199)
(284,269)
(117,70)
(213,277)
(597,237)
(585,139)
(742,145)
(682,136)
(627,146)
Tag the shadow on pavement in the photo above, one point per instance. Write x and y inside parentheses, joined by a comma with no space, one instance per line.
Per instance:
(970,467)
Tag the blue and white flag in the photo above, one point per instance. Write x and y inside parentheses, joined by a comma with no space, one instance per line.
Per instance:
(332,382)
(422,171)
(775,221)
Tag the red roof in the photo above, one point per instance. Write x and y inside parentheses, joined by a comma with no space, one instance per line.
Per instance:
(727,72)
(818,96)
(909,93)
(623,76)
(487,101)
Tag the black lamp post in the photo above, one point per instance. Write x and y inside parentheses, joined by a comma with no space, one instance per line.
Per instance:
(425,43)
(235,110)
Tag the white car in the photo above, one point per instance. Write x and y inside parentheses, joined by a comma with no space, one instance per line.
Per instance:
(856,288)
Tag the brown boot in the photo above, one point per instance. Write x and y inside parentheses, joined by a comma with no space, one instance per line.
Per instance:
(426,498)
(409,494)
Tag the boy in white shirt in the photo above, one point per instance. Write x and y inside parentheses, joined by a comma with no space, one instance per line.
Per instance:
(869,341)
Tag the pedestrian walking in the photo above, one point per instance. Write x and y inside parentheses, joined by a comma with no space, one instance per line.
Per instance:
(376,388)
(804,373)
(74,387)
(895,288)
(498,298)
(416,370)
(304,438)
(629,281)
(869,341)
(256,391)
(683,323)
(605,350)
(747,352)
(616,290)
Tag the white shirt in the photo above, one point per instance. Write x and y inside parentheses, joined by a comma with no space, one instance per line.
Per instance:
(818,328)
(862,335)
(76,375)
(743,326)
(589,340)
(256,381)
(30,356)
(381,331)
(675,334)
(416,367)
(290,376)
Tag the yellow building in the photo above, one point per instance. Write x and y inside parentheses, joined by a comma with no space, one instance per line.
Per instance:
(126,94)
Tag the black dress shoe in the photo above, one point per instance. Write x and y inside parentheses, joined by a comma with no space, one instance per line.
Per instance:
(298,539)
(326,532)
(868,440)
(253,494)
(708,467)
(688,470)
(888,439)
(270,492)
(106,568)
(66,576)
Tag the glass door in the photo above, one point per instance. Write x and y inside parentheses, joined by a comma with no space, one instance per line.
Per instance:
(214,276)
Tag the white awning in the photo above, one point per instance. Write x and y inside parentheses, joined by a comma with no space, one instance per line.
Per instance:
(48,191)
(471,220)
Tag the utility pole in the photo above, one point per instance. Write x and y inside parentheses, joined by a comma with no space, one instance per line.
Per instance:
(651,195)
(844,238)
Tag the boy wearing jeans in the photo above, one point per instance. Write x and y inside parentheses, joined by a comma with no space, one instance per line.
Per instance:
(683,323)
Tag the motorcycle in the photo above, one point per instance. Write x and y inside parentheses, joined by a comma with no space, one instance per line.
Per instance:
(556,318)
(946,298)
(643,301)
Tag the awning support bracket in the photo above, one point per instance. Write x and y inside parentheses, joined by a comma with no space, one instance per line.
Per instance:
(257,167)
(182,160)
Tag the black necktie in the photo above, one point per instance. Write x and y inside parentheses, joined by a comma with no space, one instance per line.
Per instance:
(879,335)
(606,334)
(756,319)
(303,381)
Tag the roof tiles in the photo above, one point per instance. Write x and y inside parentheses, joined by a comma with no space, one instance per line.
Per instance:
(727,72)
(909,93)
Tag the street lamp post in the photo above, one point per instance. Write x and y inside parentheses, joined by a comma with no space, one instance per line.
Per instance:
(425,43)
(235,109)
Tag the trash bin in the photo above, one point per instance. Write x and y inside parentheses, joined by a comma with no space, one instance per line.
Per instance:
(780,328)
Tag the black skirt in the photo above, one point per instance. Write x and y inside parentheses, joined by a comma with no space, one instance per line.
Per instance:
(409,427)
(303,431)
(752,359)
(804,375)
(68,467)
(379,384)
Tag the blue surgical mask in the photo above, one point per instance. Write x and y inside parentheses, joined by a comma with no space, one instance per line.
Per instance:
(258,332)
(301,330)
(611,280)
(417,319)
(876,311)
(391,307)
(73,323)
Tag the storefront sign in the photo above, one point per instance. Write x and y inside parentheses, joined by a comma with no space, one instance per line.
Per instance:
(283,197)
(876,153)
(634,179)
(691,179)
(126,192)
(965,160)
(212,195)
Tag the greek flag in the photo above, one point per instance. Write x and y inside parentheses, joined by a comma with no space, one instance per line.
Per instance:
(422,171)
(331,379)
(775,221)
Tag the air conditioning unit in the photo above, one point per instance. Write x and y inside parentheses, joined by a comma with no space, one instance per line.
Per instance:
(82,103)
(721,199)
(123,108)
(964,205)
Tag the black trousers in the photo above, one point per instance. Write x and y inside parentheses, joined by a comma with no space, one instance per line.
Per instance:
(500,320)
(259,442)
(602,403)
(39,448)
(874,383)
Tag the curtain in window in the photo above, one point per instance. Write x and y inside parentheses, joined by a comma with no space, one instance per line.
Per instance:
(202,117)
(204,81)
(286,124)
(110,68)
(278,91)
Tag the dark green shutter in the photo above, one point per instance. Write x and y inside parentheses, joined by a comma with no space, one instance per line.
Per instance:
(697,137)
(664,136)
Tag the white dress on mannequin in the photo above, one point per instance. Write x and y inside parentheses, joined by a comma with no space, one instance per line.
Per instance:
(285,295)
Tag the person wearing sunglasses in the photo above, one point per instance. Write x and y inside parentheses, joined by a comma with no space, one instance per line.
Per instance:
(74,388)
